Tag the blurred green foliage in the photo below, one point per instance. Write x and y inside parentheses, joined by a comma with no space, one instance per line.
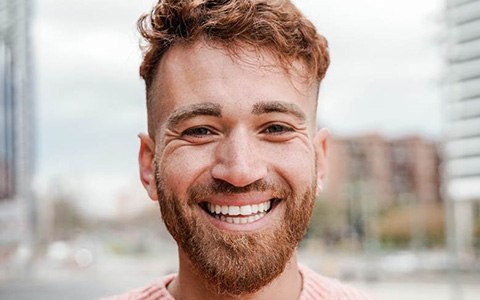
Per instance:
(395,227)
(398,226)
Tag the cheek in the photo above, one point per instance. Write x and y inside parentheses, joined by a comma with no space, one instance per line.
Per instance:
(296,164)
(181,168)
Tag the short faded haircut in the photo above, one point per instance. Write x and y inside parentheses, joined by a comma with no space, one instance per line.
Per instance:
(274,26)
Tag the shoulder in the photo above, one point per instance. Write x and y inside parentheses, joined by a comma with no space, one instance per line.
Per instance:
(318,287)
(156,290)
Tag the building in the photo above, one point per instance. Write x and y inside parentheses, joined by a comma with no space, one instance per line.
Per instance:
(370,174)
(462,107)
(16,137)
(389,169)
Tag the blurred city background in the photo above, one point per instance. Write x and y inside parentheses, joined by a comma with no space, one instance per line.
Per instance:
(400,215)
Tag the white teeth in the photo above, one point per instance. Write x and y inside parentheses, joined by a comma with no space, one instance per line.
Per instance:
(241,220)
(246,210)
(233,210)
(260,207)
(225,209)
(239,214)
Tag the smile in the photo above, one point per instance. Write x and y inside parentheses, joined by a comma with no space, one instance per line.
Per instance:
(239,214)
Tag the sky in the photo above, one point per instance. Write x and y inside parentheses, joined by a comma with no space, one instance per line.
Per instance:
(385,77)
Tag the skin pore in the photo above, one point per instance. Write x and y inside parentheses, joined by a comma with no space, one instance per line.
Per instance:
(235,166)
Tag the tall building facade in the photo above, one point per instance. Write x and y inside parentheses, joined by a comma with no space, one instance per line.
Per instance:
(16,123)
(462,147)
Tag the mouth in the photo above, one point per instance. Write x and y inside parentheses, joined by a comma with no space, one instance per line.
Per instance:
(240,214)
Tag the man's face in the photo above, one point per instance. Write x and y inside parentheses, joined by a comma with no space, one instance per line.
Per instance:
(234,164)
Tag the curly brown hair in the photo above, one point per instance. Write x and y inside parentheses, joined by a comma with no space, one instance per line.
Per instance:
(275,26)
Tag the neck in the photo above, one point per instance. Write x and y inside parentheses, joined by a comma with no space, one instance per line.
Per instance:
(189,285)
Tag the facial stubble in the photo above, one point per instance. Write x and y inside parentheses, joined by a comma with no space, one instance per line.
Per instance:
(235,263)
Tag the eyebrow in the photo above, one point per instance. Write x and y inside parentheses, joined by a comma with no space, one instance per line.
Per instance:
(190,111)
(278,107)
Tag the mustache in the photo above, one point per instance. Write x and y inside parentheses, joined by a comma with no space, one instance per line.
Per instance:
(202,191)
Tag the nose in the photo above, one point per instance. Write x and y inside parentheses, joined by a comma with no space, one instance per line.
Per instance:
(238,160)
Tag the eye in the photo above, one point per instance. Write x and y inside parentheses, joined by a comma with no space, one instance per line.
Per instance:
(277,129)
(197,132)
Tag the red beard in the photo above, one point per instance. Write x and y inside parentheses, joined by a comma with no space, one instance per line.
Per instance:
(236,263)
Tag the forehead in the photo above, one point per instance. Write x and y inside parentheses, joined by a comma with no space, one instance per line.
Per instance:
(211,59)
(199,73)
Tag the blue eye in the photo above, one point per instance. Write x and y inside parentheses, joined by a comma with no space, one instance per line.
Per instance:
(197,131)
(277,129)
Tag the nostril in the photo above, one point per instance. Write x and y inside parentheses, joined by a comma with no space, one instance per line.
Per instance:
(239,175)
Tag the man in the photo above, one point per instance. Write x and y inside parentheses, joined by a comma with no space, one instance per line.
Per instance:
(232,153)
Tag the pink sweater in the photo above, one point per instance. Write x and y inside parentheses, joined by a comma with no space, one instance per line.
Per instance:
(315,287)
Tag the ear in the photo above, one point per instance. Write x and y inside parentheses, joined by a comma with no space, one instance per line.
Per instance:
(320,144)
(146,164)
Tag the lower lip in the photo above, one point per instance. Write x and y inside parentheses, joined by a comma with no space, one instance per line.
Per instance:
(252,226)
